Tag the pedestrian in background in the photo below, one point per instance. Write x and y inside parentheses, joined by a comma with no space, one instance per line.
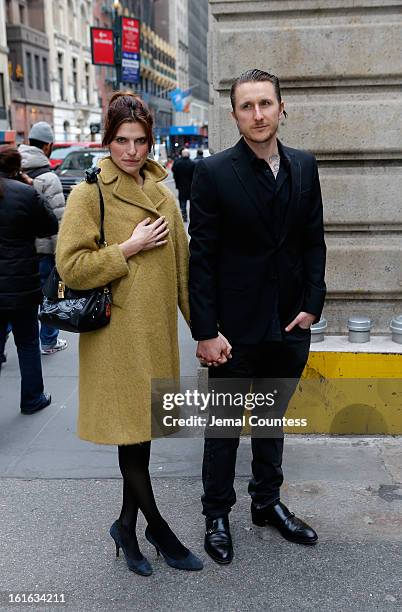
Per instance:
(146,263)
(183,170)
(35,162)
(199,156)
(23,216)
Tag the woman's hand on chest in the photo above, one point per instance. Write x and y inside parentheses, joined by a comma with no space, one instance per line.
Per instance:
(145,236)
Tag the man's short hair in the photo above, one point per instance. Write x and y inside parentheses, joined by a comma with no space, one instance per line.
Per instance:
(250,76)
(185,153)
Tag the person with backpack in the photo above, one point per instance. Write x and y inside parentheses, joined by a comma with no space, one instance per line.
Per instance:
(35,163)
(23,216)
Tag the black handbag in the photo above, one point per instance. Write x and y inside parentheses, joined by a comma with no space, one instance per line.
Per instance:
(72,310)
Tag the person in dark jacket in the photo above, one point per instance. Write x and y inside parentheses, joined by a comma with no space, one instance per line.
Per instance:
(183,170)
(199,156)
(23,217)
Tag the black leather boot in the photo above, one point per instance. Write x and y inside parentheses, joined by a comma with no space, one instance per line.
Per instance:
(218,541)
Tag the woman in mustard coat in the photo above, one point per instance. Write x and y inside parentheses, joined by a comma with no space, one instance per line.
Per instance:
(146,262)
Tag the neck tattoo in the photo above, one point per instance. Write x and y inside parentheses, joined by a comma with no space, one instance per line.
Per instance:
(274,163)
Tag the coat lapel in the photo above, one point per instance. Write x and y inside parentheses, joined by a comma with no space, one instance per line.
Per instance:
(149,197)
(295,183)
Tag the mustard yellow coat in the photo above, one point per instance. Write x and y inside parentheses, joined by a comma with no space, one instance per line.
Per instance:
(117,362)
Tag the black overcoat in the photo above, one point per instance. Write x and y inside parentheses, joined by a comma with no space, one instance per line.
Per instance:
(183,170)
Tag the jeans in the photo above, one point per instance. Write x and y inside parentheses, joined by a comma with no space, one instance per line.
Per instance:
(48,335)
(25,330)
(283,361)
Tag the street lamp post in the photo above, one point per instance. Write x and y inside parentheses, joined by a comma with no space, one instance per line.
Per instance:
(117,42)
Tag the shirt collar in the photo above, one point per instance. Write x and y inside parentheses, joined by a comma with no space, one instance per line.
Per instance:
(257,160)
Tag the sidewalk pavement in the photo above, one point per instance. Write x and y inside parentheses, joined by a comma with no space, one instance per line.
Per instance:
(59,496)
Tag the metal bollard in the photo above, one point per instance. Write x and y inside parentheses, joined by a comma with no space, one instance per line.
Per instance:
(359,329)
(396,329)
(318,330)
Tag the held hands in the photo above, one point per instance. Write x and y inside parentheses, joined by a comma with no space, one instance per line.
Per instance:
(304,320)
(215,351)
(145,236)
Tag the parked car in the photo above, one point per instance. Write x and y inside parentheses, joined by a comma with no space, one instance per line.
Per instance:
(72,170)
(59,150)
(58,156)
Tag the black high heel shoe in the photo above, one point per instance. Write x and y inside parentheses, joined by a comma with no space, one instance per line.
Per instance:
(139,566)
(190,562)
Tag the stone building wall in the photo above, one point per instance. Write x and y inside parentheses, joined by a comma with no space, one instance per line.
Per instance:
(340,65)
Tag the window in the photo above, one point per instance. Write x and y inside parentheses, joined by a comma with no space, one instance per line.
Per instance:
(3,111)
(29,69)
(87,83)
(56,14)
(60,72)
(45,74)
(84,26)
(8,11)
(70,10)
(22,14)
(38,80)
(66,130)
(75,79)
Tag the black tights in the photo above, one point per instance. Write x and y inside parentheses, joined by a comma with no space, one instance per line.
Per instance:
(138,495)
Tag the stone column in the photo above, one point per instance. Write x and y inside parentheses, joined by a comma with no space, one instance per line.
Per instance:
(340,66)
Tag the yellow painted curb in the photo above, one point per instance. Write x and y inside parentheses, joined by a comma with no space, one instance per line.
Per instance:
(349,393)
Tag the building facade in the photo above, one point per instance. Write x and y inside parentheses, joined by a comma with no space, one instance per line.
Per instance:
(73,85)
(28,65)
(158,63)
(4,78)
(185,22)
(198,61)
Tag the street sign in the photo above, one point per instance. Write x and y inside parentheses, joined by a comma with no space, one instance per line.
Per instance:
(102,46)
(130,50)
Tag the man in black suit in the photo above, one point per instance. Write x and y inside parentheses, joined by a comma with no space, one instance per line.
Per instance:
(183,170)
(257,263)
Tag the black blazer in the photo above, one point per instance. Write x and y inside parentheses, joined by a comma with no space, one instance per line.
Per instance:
(235,260)
(23,217)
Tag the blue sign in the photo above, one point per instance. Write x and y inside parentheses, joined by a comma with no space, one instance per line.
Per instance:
(130,67)
(184,130)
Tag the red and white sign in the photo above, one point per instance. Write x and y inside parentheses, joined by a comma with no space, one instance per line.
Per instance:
(130,35)
(102,46)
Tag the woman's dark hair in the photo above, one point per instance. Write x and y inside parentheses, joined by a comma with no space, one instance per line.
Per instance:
(10,163)
(126,107)
(251,76)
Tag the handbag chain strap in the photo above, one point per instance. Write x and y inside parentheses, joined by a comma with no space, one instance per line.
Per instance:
(91,176)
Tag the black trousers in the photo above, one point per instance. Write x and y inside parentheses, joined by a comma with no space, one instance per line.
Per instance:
(283,361)
(183,205)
